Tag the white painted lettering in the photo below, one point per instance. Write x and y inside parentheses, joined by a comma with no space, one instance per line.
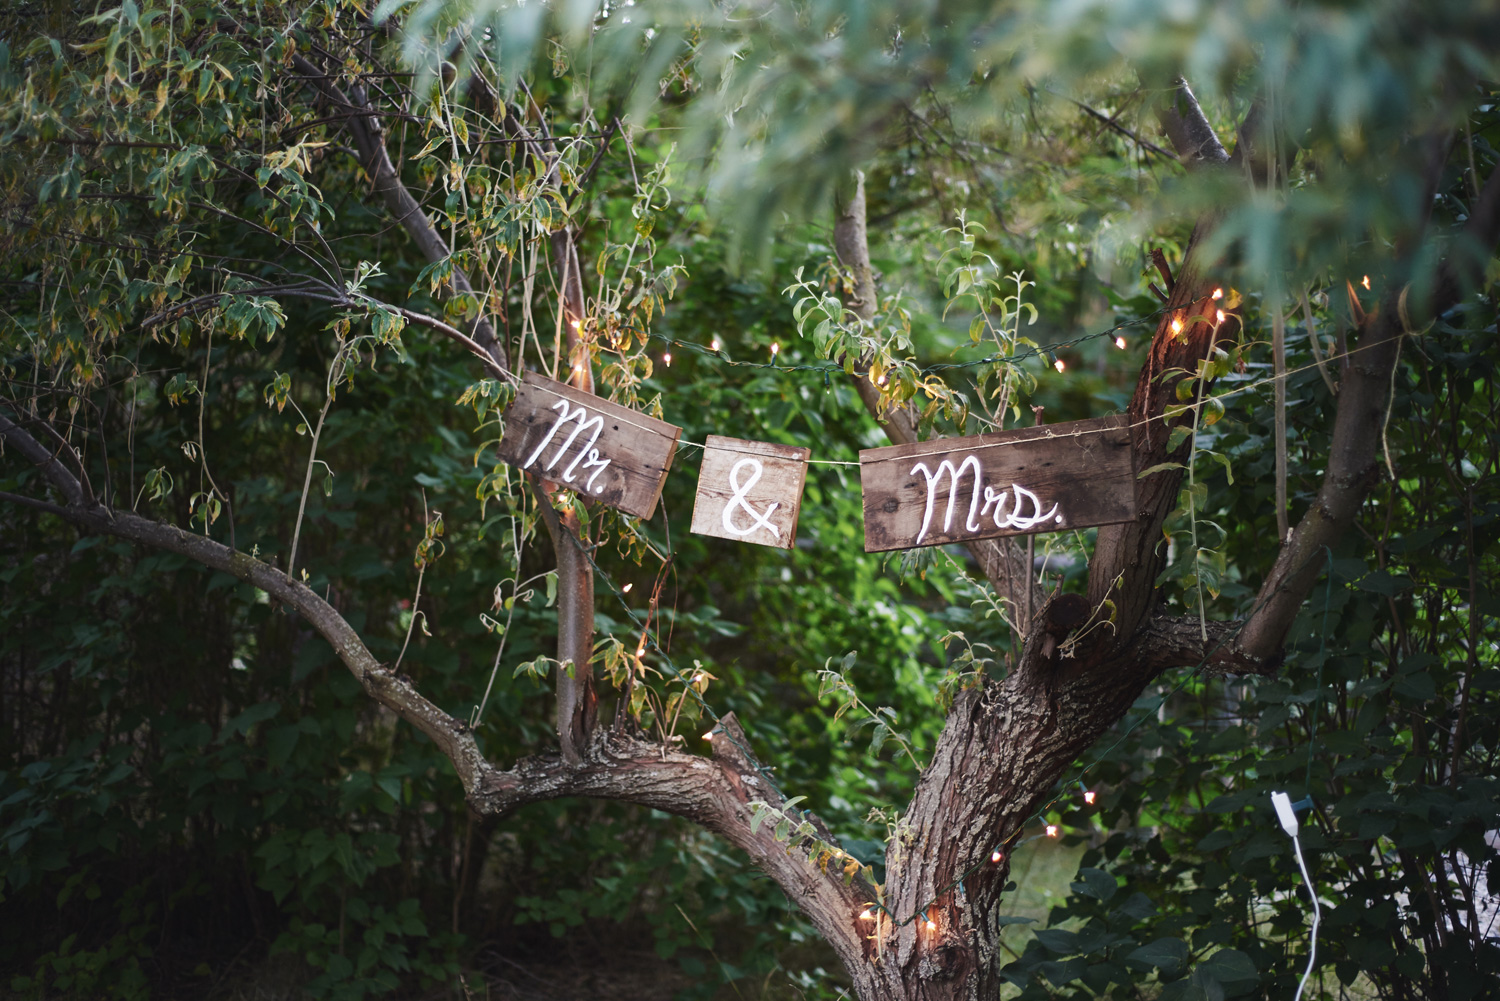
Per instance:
(588,455)
(758,520)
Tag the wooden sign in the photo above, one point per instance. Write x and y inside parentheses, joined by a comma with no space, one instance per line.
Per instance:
(1042,479)
(750,491)
(608,453)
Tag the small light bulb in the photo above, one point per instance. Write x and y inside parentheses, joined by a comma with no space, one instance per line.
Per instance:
(774,348)
(1051,830)
(578,368)
(866,914)
(1365,281)
(1218,293)
(1176,324)
(709,735)
(713,345)
(1120,343)
(1088,796)
(640,651)
(931,925)
(1058,364)
(880,381)
(1220,316)
(667,358)
(996,855)
(626,588)
(577,324)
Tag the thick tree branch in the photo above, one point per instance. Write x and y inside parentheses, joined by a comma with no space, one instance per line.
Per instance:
(716,793)
(1364,395)
(390,689)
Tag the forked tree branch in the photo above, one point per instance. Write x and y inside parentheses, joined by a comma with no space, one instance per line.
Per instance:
(369,140)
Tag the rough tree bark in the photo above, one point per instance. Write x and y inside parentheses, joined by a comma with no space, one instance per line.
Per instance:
(1005,742)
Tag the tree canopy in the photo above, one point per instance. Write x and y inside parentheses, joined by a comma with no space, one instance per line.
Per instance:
(295,671)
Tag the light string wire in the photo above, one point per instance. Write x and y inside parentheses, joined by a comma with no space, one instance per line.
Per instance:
(923,911)
(1076,433)
(828,368)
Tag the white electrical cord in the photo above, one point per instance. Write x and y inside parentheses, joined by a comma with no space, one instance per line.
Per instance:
(1288,818)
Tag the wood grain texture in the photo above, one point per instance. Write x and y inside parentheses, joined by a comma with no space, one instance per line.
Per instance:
(609,454)
(750,491)
(1043,479)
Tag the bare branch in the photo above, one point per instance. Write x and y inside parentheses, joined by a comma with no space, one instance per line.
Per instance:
(386,181)
(1001,561)
(1187,126)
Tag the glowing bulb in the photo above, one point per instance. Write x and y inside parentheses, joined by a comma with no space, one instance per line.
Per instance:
(577,324)
(866,914)
(667,358)
(1365,281)
(1176,324)
(996,855)
(640,651)
(713,345)
(880,381)
(578,368)
(709,735)
(1220,316)
(931,925)
(774,348)
(1088,797)
(1058,364)
(1120,343)
(1051,830)
(626,588)
(1218,293)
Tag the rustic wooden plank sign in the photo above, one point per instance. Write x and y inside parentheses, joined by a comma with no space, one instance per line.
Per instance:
(1042,479)
(608,453)
(750,491)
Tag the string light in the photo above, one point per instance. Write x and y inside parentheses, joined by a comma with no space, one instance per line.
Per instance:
(1120,342)
(1218,293)
(1088,796)
(996,855)
(1176,325)
(1058,364)
(866,914)
(1051,830)
(1221,316)
(774,349)
(627,587)
(667,357)
(713,345)
(1365,281)
(880,381)
(640,651)
(709,735)
(931,924)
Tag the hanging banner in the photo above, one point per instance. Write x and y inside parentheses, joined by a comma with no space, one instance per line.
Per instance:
(750,491)
(607,453)
(1031,480)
